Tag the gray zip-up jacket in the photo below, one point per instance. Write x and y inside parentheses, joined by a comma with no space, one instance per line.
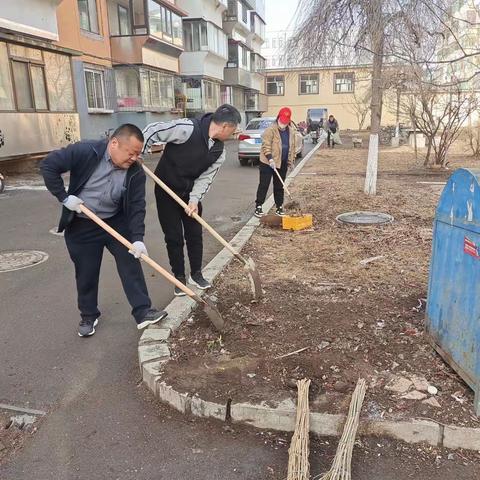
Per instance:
(179,131)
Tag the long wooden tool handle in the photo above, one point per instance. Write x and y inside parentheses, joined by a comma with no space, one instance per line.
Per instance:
(282,182)
(197,217)
(144,257)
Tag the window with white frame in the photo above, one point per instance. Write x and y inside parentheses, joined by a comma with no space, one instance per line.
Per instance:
(238,56)
(308,83)
(95,87)
(276,85)
(87,10)
(201,35)
(343,82)
(127,83)
(164,23)
(157,89)
(257,63)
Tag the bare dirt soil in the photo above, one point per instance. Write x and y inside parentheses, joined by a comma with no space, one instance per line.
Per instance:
(353,315)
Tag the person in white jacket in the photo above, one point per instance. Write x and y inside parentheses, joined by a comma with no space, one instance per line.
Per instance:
(193,154)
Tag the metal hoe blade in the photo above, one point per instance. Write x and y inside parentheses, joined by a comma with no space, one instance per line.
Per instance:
(212,312)
(254,277)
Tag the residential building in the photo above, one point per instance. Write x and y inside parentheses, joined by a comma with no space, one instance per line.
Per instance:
(37,102)
(205,55)
(274,48)
(459,52)
(463,33)
(341,91)
(244,77)
(129,64)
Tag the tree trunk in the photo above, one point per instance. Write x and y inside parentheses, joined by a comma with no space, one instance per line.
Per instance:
(377,36)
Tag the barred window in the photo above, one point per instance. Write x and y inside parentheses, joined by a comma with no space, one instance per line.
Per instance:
(308,84)
(343,82)
(276,85)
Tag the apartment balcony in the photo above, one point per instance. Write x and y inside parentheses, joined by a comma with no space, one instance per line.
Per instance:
(146,33)
(238,76)
(237,21)
(141,89)
(220,5)
(144,50)
(257,27)
(37,18)
(255,102)
(206,50)
(200,95)
(202,64)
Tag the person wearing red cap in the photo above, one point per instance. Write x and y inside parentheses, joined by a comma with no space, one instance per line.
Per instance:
(277,152)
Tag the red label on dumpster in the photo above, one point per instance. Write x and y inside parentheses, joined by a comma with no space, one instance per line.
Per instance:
(470,248)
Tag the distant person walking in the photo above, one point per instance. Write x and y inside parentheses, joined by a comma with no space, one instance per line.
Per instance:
(332,131)
(277,152)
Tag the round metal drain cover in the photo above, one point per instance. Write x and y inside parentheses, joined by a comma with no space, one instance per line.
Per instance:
(365,218)
(11,260)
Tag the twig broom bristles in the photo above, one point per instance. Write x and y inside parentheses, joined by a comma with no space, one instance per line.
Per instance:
(342,463)
(298,465)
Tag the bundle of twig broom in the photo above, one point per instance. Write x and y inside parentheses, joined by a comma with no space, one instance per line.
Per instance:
(342,463)
(298,465)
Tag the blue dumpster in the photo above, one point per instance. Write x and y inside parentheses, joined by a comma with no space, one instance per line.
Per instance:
(453,307)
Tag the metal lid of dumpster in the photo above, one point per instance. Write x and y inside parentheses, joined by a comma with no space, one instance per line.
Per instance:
(459,203)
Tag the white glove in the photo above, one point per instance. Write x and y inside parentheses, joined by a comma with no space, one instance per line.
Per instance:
(138,249)
(73,203)
(271,162)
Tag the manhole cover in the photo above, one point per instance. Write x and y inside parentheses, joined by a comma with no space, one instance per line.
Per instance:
(11,260)
(365,218)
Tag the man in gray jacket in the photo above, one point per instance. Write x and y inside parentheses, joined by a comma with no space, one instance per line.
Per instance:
(193,153)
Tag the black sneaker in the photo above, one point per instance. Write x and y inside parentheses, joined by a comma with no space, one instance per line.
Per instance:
(199,281)
(86,327)
(152,316)
(258,211)
(177,291)
(280,211)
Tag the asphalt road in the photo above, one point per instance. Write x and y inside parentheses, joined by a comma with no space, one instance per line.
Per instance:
(101,423)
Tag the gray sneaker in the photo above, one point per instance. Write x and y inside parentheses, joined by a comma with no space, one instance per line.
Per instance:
(177,291)
(199,281)
(152,316)
(86,327)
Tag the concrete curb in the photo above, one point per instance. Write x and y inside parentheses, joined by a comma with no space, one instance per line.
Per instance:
(153,353)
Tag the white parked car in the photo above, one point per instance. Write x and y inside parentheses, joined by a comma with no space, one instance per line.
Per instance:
(250,140)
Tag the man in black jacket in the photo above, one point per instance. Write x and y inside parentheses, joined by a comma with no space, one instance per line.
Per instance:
(193,154)
(105,176)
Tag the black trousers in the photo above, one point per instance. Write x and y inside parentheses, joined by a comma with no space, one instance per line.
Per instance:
(330,139)
(85,243)
(266,174)
(179,228)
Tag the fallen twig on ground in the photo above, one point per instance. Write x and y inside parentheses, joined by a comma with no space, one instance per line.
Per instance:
(292,353)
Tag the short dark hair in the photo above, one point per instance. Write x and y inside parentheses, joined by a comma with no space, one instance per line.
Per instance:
(227,114)
(128,130)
